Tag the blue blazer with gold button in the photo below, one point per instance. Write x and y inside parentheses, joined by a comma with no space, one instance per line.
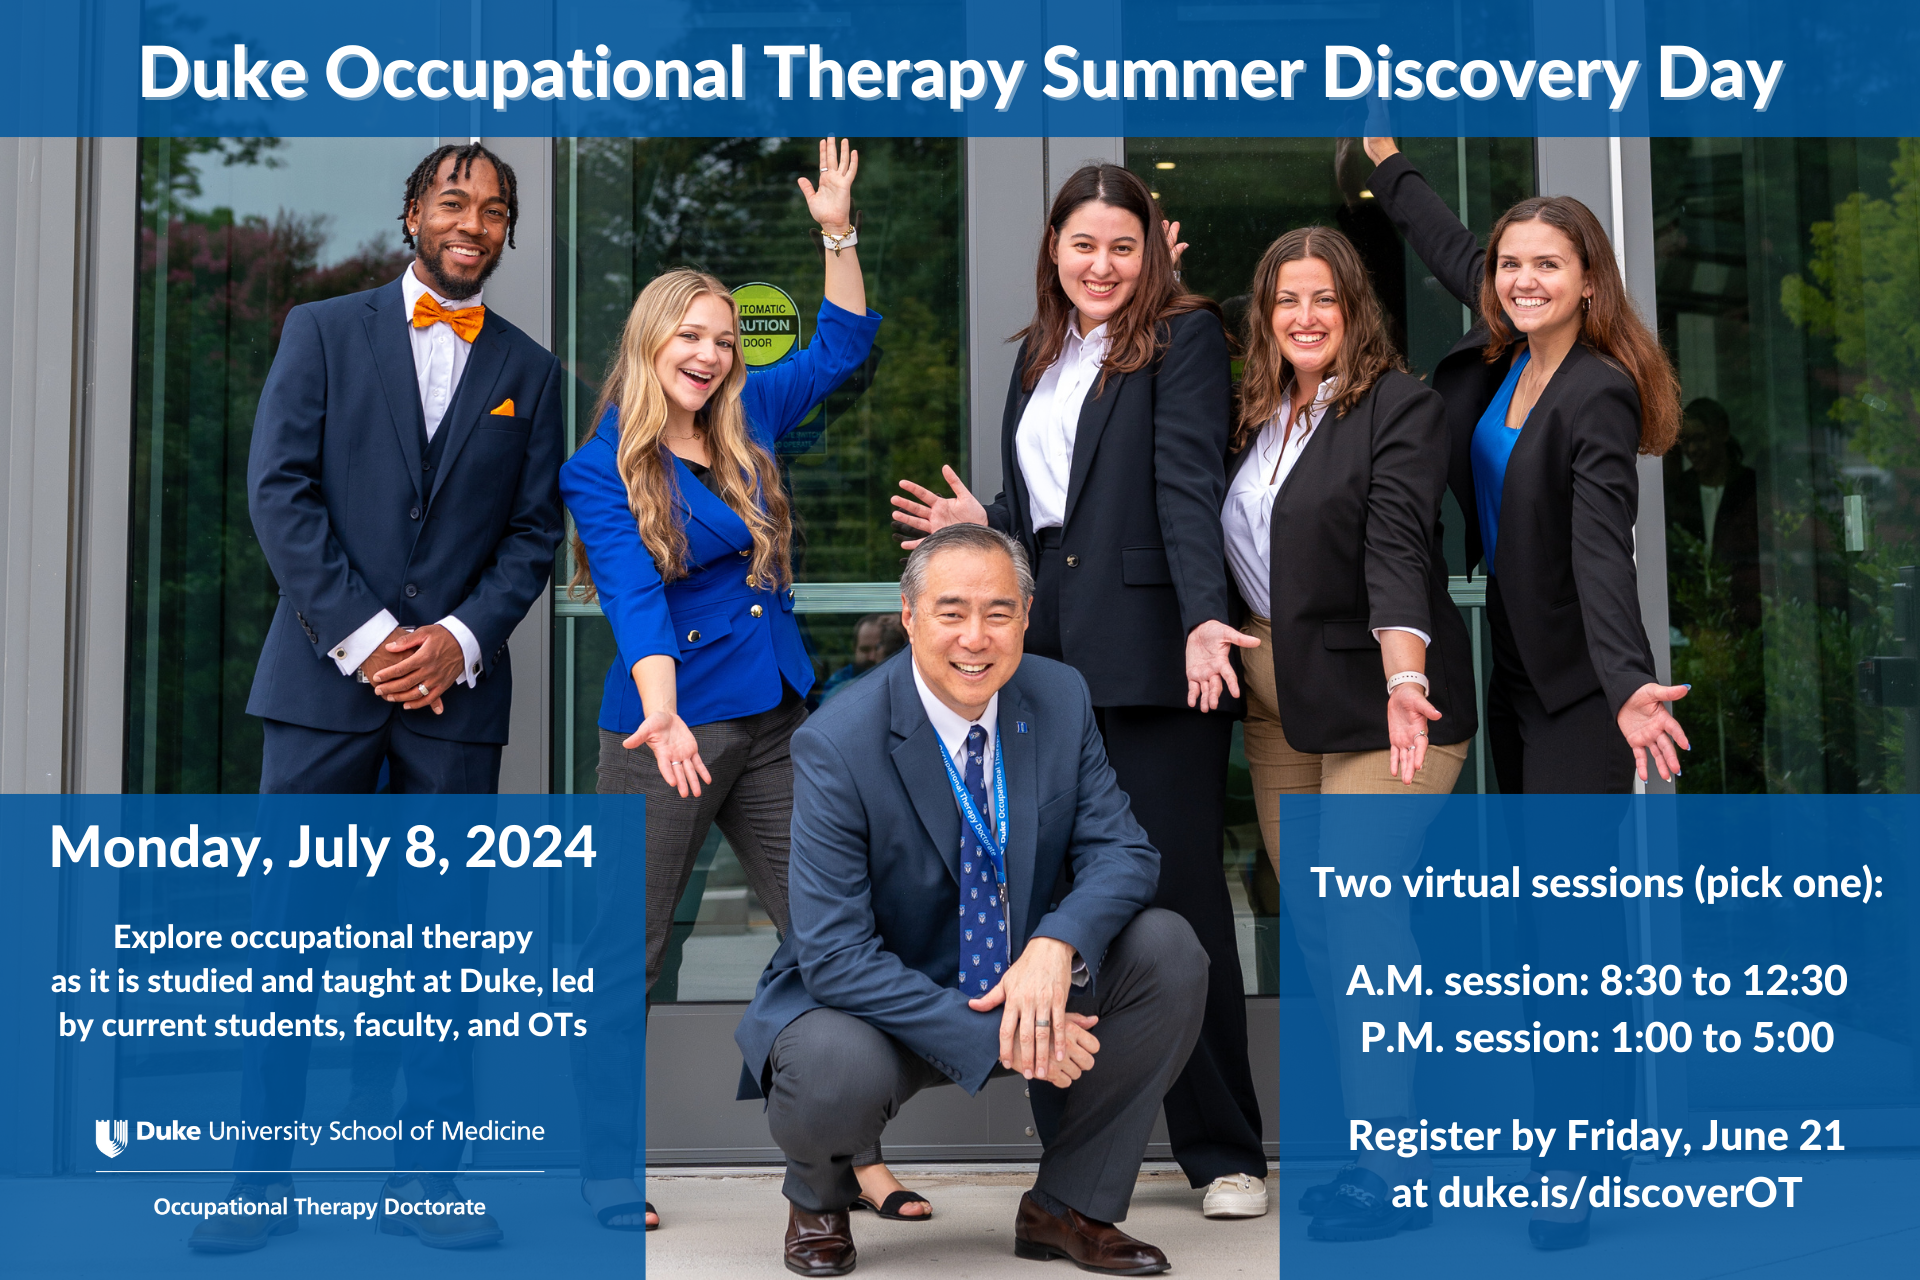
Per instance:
(735,643)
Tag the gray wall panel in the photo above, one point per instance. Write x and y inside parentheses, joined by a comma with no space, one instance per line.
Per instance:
(1006,205)
(522,291)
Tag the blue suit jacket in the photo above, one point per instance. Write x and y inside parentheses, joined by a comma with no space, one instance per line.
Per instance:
(351,524)
(874,884)
(731,662)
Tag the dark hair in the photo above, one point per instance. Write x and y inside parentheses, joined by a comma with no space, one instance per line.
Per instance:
(963,537)
(1609,324)
(1365,352)
(1135,335)
(420,183)
(1711,413)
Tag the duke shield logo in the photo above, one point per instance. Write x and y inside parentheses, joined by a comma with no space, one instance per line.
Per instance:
(110,1136)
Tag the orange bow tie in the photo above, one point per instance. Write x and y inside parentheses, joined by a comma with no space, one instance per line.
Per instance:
(466,322)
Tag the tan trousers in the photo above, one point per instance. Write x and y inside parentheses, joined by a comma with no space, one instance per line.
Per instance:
(1337,935)
(1278,768)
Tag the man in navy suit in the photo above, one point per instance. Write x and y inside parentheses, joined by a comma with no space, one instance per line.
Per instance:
(970,898)
(404,484)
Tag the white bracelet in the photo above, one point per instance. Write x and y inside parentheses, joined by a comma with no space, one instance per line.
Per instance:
(1408,677)
(837,243)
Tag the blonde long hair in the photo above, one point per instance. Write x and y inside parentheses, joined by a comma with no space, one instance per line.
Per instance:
(749,479)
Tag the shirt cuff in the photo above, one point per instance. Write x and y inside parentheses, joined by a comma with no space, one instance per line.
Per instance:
(1412,631)
(358,647)
(469,648)
(1079,970)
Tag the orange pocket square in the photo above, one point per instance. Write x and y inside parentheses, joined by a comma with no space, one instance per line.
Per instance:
(506,408)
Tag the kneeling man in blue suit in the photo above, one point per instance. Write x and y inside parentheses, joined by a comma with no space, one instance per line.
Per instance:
(970,898)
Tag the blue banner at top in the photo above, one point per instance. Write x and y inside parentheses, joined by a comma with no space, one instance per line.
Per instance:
(541,68)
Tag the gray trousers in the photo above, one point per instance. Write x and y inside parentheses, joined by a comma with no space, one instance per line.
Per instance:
(837,1081)
(751,799)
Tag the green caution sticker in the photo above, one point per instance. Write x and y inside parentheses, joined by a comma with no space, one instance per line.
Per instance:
(769,324)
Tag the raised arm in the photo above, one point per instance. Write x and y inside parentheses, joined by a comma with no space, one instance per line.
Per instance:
(780,399)
(1433,229)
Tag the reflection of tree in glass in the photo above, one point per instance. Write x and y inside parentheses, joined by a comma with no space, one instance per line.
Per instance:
(1860,291)
(204,346)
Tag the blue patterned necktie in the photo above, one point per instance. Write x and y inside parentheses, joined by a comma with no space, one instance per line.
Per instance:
(983,922)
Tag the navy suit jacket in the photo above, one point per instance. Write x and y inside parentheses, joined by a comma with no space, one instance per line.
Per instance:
(351,523)
(874,883)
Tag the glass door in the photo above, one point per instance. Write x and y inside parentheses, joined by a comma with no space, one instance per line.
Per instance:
(629,208)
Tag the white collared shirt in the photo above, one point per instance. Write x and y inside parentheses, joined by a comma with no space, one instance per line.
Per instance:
(439,354)
(1043,442)
(953,728)
(439,358)
(1247,517)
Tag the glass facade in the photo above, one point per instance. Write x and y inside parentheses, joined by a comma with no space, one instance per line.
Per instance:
(627,209)
(1790,302)
(234,233)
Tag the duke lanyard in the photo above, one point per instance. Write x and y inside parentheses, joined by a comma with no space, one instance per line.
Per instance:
(995,849)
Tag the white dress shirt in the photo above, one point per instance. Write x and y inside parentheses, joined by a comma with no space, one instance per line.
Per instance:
(952,729)
(1247,517)
(439,358)
(1043,442)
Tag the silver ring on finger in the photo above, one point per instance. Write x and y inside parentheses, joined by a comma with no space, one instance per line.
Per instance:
(1044,1022)
(423,689)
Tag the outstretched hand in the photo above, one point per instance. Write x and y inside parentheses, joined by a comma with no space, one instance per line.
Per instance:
(1408,715)
(1651,730)
(1210,649)
(675,750)
(831,202)
(1175,245)
(932,511)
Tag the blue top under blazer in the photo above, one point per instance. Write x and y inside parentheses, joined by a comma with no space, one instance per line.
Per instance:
(731,662)
(352,521)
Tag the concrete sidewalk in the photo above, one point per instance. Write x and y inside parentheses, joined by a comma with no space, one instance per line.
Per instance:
(730,1226)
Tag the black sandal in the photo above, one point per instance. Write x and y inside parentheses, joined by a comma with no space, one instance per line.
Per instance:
(891,1209)
(612,1211)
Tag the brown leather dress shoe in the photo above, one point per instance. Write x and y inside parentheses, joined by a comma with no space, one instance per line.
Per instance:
(1089,1245)
(819,1244)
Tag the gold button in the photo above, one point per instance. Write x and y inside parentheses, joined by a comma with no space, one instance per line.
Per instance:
(1073,562)
(747,552)
(693,637)
(755,611)
(750,580)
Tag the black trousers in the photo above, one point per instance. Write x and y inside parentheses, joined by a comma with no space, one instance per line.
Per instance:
(1172,763)
(1577,750)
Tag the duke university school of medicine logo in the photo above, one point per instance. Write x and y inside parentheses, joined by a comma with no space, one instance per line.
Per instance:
(110,1136)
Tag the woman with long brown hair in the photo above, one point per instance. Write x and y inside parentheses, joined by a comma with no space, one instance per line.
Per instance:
(1113,446)
(1551,398)
(683,535)
(1359,674)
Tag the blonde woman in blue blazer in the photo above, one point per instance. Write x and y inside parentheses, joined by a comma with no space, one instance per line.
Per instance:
(683,534)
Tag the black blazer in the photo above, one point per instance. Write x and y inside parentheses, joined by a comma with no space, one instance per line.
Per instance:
(1572,490)
(1146,561)
(1356,547)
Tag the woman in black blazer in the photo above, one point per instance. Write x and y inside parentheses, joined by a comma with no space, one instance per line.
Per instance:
(1114,449)
(1573,704)
(1549,399)
(1359,674)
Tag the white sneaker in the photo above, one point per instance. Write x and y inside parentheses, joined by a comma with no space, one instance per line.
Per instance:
(1239,1195)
